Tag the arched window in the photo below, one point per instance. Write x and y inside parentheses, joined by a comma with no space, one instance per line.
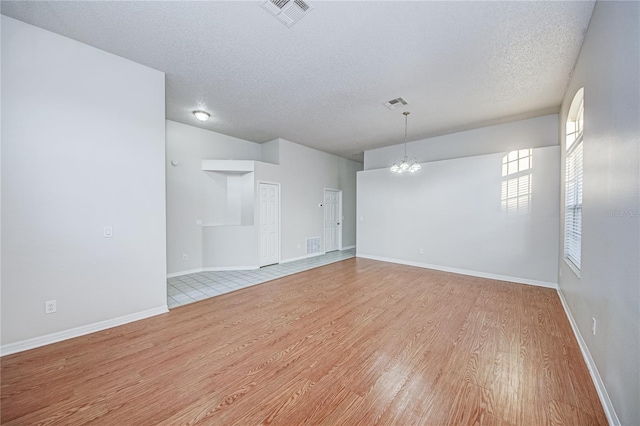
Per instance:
(573,179)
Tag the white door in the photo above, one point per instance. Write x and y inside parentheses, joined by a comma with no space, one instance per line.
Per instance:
(332,220)
(269,223)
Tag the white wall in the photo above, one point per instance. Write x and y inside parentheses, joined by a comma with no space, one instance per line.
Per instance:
(193,194)
(82,148)
(302,172)
(609,286)
(212,197)
(531,133)
(451,209)
(228,247)
(271,151)
(1,21)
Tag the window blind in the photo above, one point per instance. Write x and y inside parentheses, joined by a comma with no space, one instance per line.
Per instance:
(573,205)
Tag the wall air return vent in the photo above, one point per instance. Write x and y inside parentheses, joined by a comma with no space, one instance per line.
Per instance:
(395,103)
(313,245)
(287,11)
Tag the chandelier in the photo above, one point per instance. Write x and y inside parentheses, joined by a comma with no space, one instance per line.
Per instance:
(406,164)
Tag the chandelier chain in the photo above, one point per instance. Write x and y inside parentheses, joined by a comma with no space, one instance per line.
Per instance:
(405,164)
(406,117)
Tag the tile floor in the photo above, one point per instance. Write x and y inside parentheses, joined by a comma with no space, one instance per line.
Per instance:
(190,288)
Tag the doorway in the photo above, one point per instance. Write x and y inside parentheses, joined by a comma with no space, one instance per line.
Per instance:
(332,220)
(269,199)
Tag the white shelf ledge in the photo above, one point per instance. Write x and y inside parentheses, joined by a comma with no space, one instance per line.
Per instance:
(228,166)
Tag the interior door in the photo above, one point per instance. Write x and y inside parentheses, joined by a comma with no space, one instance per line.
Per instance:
(332,220)
(269,223)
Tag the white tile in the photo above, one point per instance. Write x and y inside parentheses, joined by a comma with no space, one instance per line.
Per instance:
(206,284)
(182,298)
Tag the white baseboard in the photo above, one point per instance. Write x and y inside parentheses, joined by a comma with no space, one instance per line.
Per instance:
(463,271)
(607,405)
(247,268)
(306,256)
(231,268)
(215,269)
(181,273)
(59,336)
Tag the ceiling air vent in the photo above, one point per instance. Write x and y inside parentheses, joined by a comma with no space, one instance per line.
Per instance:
(287,11)
(395,103)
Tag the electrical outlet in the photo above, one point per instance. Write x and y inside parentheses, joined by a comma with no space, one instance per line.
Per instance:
(199,222)
(50,306)
(185,257)
(298,245)
(593,326)
(421,251)
(108,232)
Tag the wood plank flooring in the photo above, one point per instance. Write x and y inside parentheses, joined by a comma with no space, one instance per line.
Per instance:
(357,342)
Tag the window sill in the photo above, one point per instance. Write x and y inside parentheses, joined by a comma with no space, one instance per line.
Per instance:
(573,267)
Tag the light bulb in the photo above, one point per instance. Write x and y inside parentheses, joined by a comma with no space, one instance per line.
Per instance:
(404,166)
(201,115)
(395,168)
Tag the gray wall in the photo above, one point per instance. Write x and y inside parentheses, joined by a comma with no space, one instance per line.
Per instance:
(192,193)
(530,133)
(609,286)
(302,172)
(451,209)
(82,148)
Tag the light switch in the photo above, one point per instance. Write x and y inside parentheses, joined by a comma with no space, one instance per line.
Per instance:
(108,232)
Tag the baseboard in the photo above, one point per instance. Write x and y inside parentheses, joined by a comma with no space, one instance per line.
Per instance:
(181,273)
(306,256)
(231,268)
(462,271)
(213,269)
(247,268)
(35,342)
(607,405)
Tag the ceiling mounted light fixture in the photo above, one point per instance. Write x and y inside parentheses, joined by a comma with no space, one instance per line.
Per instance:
(406,164)
(201,115)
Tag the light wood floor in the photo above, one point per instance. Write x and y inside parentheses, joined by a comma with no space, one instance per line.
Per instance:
(355,342)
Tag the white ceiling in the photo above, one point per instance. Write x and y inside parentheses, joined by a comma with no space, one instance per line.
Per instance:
(322,82)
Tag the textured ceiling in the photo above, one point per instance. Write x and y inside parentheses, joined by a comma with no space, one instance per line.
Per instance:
(322,82)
